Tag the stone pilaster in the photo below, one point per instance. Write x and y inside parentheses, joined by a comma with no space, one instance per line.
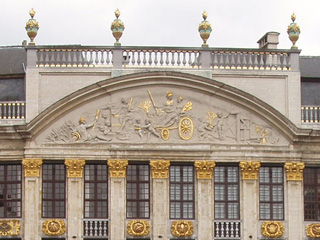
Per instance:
(250,199)
(160,191)
(75,197)
(204,196)
(295,204)
(117,169)
(32,198)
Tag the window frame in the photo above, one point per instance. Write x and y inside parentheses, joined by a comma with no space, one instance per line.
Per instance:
(315,204)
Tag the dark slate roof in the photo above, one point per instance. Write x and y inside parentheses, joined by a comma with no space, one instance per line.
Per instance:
(12,60)
(310,66)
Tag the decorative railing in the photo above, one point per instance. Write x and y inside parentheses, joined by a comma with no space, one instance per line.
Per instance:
(12,110)
(310,114)
(227,229)
(162,57)
(95,228)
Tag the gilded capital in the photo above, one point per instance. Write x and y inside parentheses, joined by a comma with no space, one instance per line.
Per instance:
(160,168)
(204,169)
(31,167)
(272,229)
(10,227)
(249,170)
(313,230)
(117,168)
(294,171)
(74,167)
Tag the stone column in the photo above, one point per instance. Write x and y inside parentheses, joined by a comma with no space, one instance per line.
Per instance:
(295,204)
(75,197)
(117,169)
(204,196)
(32,198)
(160,198)
(250,199)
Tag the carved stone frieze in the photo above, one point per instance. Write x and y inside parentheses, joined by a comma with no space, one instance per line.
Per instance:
(272,229)
(10,227)
(250,170)
(53,227)
(294,171)
(117,168)
(313,230)
(204,169)
(74,167)
(182,228)
(138,228)
(160,168)
(31,167)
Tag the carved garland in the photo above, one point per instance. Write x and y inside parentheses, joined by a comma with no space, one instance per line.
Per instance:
(250,170)
(74,167)
(138,228)
(294,171)
(204,169)
(313,230)
(182,228)
(53,227)
(272,229)
(160,168)
(117,168)
(10,227)
(31,167)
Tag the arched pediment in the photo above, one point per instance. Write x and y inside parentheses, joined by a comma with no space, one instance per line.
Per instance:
(161,107)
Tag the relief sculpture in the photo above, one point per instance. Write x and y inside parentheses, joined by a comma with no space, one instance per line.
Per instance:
(167,117)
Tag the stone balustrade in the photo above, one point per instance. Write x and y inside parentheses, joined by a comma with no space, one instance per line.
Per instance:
(227,229)
(95,228)
(310,114)
(12,110)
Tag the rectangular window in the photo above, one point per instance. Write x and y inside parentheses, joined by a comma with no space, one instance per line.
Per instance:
(10,191)
(181,192)
(96,191)
(138,191)
(226,192)
(311,181)
(53,190)
(271,193)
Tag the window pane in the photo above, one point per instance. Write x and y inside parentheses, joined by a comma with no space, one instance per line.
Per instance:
(219,211)
(219,192)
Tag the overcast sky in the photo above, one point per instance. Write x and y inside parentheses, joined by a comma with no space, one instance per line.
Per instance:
(235,23)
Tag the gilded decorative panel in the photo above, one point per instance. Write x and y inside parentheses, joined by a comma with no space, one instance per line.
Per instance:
(160,168)
(249,170)
(74,167)
(31,167)
(294,171)
(313,230)
(117,168)
(204,169)
(53,227)
(272,229)
(138,228)
(10,227)
(182,228)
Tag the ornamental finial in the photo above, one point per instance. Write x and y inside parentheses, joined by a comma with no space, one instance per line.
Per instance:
(32,27)
(117,28)
(205,29)
(293,31)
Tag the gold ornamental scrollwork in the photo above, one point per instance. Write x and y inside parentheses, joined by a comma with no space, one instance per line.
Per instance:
(250,170)
(313,230)
(138,228)
(182,228)
(53,227)
(272,229)
(204,169)
(160,168)
(74,167)
(10,228)
(31,167)
(294,171)
(117,168)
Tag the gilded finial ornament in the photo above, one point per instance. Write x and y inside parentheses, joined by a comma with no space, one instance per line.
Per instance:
(138,228)
(182,228)
(294,171)
(313,230)
(204,169)
(10,227)
(205,29)
(250,170)
(53,227)
(32,27)
(117,28)
(293,31)
(272,229)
